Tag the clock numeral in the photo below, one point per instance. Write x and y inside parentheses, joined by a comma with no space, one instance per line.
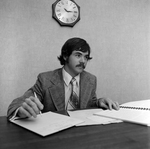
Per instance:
(67,2)
(58,10)
(71,3)
(59,4)
(59,14)
(72,19)
(63,19)
(67,20)
(62,2)
(75,16)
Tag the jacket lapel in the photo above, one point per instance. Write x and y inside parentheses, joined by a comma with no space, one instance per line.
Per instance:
(57,90)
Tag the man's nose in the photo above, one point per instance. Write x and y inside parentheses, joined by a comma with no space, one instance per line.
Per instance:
(82,59)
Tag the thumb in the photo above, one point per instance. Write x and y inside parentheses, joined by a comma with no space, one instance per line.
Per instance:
(103,105)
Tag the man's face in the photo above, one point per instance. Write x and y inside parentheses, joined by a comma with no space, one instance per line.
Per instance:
(76,62)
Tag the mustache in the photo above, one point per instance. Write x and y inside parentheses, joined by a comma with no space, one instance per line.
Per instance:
(81,65)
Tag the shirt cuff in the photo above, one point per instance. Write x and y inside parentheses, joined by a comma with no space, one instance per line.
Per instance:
(14,117)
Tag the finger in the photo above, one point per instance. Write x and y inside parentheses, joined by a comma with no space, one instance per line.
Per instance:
(110,105)
(23,113)
(107,103)
(33,105)
(103,105)
(38,103)
(28,108)
(116,106)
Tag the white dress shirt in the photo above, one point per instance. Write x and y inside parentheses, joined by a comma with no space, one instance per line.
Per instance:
(67,78)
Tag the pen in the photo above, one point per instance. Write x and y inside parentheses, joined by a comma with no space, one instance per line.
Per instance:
(37,97)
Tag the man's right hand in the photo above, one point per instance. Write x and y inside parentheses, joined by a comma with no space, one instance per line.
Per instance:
(30,107)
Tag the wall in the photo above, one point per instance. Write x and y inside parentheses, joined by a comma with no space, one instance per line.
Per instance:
(117,31)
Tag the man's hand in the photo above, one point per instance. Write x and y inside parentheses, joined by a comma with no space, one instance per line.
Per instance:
(107,103)
(30,107)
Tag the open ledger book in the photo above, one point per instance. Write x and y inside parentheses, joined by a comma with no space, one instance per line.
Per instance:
(135,112)
(47,123)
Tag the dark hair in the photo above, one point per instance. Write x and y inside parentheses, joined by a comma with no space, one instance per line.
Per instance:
(73,44)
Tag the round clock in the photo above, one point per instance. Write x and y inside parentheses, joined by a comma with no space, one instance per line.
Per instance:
(66,12)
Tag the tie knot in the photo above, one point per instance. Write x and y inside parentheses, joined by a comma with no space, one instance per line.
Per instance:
(73,81)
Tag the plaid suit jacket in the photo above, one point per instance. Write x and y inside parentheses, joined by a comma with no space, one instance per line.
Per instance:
(50,90)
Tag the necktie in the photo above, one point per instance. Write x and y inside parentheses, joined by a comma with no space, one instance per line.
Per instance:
(74,99)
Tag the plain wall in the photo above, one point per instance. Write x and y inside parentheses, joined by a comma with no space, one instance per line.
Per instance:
(118,32)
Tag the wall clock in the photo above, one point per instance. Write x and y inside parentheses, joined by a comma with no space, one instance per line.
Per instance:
(66,12)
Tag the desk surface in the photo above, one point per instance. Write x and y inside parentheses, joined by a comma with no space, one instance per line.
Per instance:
(111,136)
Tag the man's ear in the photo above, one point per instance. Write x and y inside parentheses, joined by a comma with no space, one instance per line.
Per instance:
(65,58)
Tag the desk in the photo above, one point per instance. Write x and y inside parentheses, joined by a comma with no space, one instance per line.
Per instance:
(111,136)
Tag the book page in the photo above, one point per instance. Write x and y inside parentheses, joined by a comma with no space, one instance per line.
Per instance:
(89,118)
(140,115)
(140,103)
(47,123)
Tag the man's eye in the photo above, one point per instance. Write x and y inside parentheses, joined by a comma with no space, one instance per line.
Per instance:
(78,55)
(86,57)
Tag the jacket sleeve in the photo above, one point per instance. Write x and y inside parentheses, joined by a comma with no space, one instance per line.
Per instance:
(16,103)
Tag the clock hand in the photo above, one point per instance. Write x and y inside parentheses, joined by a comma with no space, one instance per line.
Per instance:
(67,10)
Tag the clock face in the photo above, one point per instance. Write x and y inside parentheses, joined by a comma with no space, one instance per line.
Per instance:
(67,11)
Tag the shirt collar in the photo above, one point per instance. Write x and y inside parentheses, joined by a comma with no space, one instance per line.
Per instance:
(67,77)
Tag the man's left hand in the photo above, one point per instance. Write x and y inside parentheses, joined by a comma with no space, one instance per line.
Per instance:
(106,103)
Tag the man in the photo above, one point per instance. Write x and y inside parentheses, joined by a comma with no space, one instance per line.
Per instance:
(54,90)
